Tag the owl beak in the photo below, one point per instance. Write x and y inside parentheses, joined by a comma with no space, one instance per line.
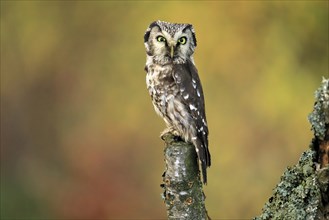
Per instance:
(172,51)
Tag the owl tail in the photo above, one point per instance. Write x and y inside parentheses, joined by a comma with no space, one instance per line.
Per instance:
(204,172)
(204,158)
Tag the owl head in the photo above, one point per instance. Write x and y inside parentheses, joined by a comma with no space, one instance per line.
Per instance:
(169,42)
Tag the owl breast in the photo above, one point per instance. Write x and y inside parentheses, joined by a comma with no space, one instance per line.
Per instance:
(160,85)
(162,88)
(166,99)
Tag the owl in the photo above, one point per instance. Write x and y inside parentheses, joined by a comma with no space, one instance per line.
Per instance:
(174,85)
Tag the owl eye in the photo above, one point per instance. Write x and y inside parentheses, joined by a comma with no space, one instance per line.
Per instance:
(161,39)
(182,40)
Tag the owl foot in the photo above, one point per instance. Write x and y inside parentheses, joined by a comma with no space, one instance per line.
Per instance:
(171,131)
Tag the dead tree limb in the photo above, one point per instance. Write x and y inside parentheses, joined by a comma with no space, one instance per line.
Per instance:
(183,194)
(303,191)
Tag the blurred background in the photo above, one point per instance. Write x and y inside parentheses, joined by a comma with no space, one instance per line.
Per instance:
(79,135)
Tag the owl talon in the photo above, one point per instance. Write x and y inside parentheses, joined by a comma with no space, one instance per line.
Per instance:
(177,138)
(169,130)
(164,134)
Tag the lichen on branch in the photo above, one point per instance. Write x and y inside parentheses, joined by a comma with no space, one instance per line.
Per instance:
(303,191)
(319,118)
(297,196)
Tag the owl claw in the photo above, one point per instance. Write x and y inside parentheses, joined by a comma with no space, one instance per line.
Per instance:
(177,138)
(172,131)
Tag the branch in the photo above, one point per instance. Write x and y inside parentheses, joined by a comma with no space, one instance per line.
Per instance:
(182,186)
(303,191)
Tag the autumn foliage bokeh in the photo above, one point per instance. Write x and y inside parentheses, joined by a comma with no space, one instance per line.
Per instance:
(79,136)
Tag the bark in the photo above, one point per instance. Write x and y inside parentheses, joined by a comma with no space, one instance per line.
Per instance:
(303,191)
(183,194)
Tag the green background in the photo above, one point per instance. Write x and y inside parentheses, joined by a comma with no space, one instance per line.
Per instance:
(80,138)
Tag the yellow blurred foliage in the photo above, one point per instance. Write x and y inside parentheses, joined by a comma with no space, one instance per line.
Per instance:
(79,136)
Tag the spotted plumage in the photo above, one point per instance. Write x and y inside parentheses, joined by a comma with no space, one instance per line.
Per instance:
(174,85)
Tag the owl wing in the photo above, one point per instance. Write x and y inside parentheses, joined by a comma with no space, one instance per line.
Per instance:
(187,80)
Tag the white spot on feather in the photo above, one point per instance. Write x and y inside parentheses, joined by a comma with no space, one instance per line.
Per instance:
(192,107)
(178,78)
(197,91)
(186,96)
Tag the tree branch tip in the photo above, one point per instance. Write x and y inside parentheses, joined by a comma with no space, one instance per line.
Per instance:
(319,117)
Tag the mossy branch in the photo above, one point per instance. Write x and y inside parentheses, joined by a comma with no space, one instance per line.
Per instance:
(182,186)
(303,191)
